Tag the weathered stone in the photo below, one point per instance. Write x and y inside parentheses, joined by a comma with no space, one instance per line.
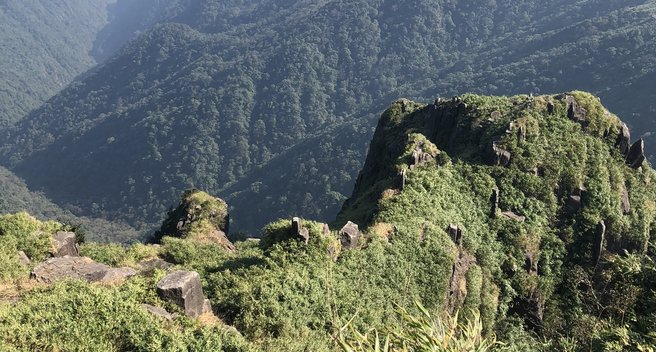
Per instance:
(598,244)
(521,134)
(551,108)
(500,156)
(184,289)
(455,232)
(494,199)
(207,306)
(512,216)
(624,201)
(158,312)
(624,139)
(575,112)
(495,115)
(349,235)
(420,157)
(83,268)
(64,244)
(457,289)
(636,154)
(402,178)
(573,204)
(298,231)
(24,259)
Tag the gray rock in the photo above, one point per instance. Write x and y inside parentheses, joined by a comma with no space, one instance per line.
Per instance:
(624,140)
(512,216)
(575,112)
(24,259)
(521,134)
(158,312)
(402,178)
(325,230)
(598,244)
(420,158)
(573,204)
(64,244)
(494,199)
(349,235)
(500,156)
(551,108)
(83,268)
(624,201)
(636,155)
(299,232)
(455,232)
(184,289)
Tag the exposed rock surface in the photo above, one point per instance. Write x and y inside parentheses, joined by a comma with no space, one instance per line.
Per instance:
(24,259)
(349,235)
(500,156)
(625,203)
(494,199)
(184,289)
(624,139)
(598,244)
(200,217)
(457,289)
(152,264)
(636,155)
(573,204)
(83,268)
(455,232)
(64,244)
(298,231)
(575,112)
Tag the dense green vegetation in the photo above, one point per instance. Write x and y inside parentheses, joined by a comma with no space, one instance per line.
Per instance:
(44,45)
(228,94)
(533,284)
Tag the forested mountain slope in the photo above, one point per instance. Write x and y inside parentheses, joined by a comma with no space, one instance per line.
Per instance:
(228,94)
(44,44)
(527,220)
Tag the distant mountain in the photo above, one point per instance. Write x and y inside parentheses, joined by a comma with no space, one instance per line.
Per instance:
(43,45)
(227,95)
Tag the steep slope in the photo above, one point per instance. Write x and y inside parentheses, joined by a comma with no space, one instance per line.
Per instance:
(44,45)
(222,95)
(543,201)
(530,216)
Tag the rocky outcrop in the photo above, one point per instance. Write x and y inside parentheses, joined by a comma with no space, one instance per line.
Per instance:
(625,203)
(636,155)
(184,289)
(298,231)
(200,217)
(83,268)
(349,235)
(499,156)
(573,204)
(64,244)
(420,157)
(575,112)
(455,232)
(624,139)
(457,287)
(150,265)
(494,199)
(551,108)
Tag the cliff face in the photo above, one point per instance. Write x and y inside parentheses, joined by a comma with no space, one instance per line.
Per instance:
(541,199)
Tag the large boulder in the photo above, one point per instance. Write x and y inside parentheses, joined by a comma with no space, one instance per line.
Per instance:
(200,217)
(499,156)
(184,289)
(64,244)
(349,235)
(82,268)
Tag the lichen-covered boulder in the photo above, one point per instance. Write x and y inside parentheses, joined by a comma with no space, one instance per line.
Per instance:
(349,235)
